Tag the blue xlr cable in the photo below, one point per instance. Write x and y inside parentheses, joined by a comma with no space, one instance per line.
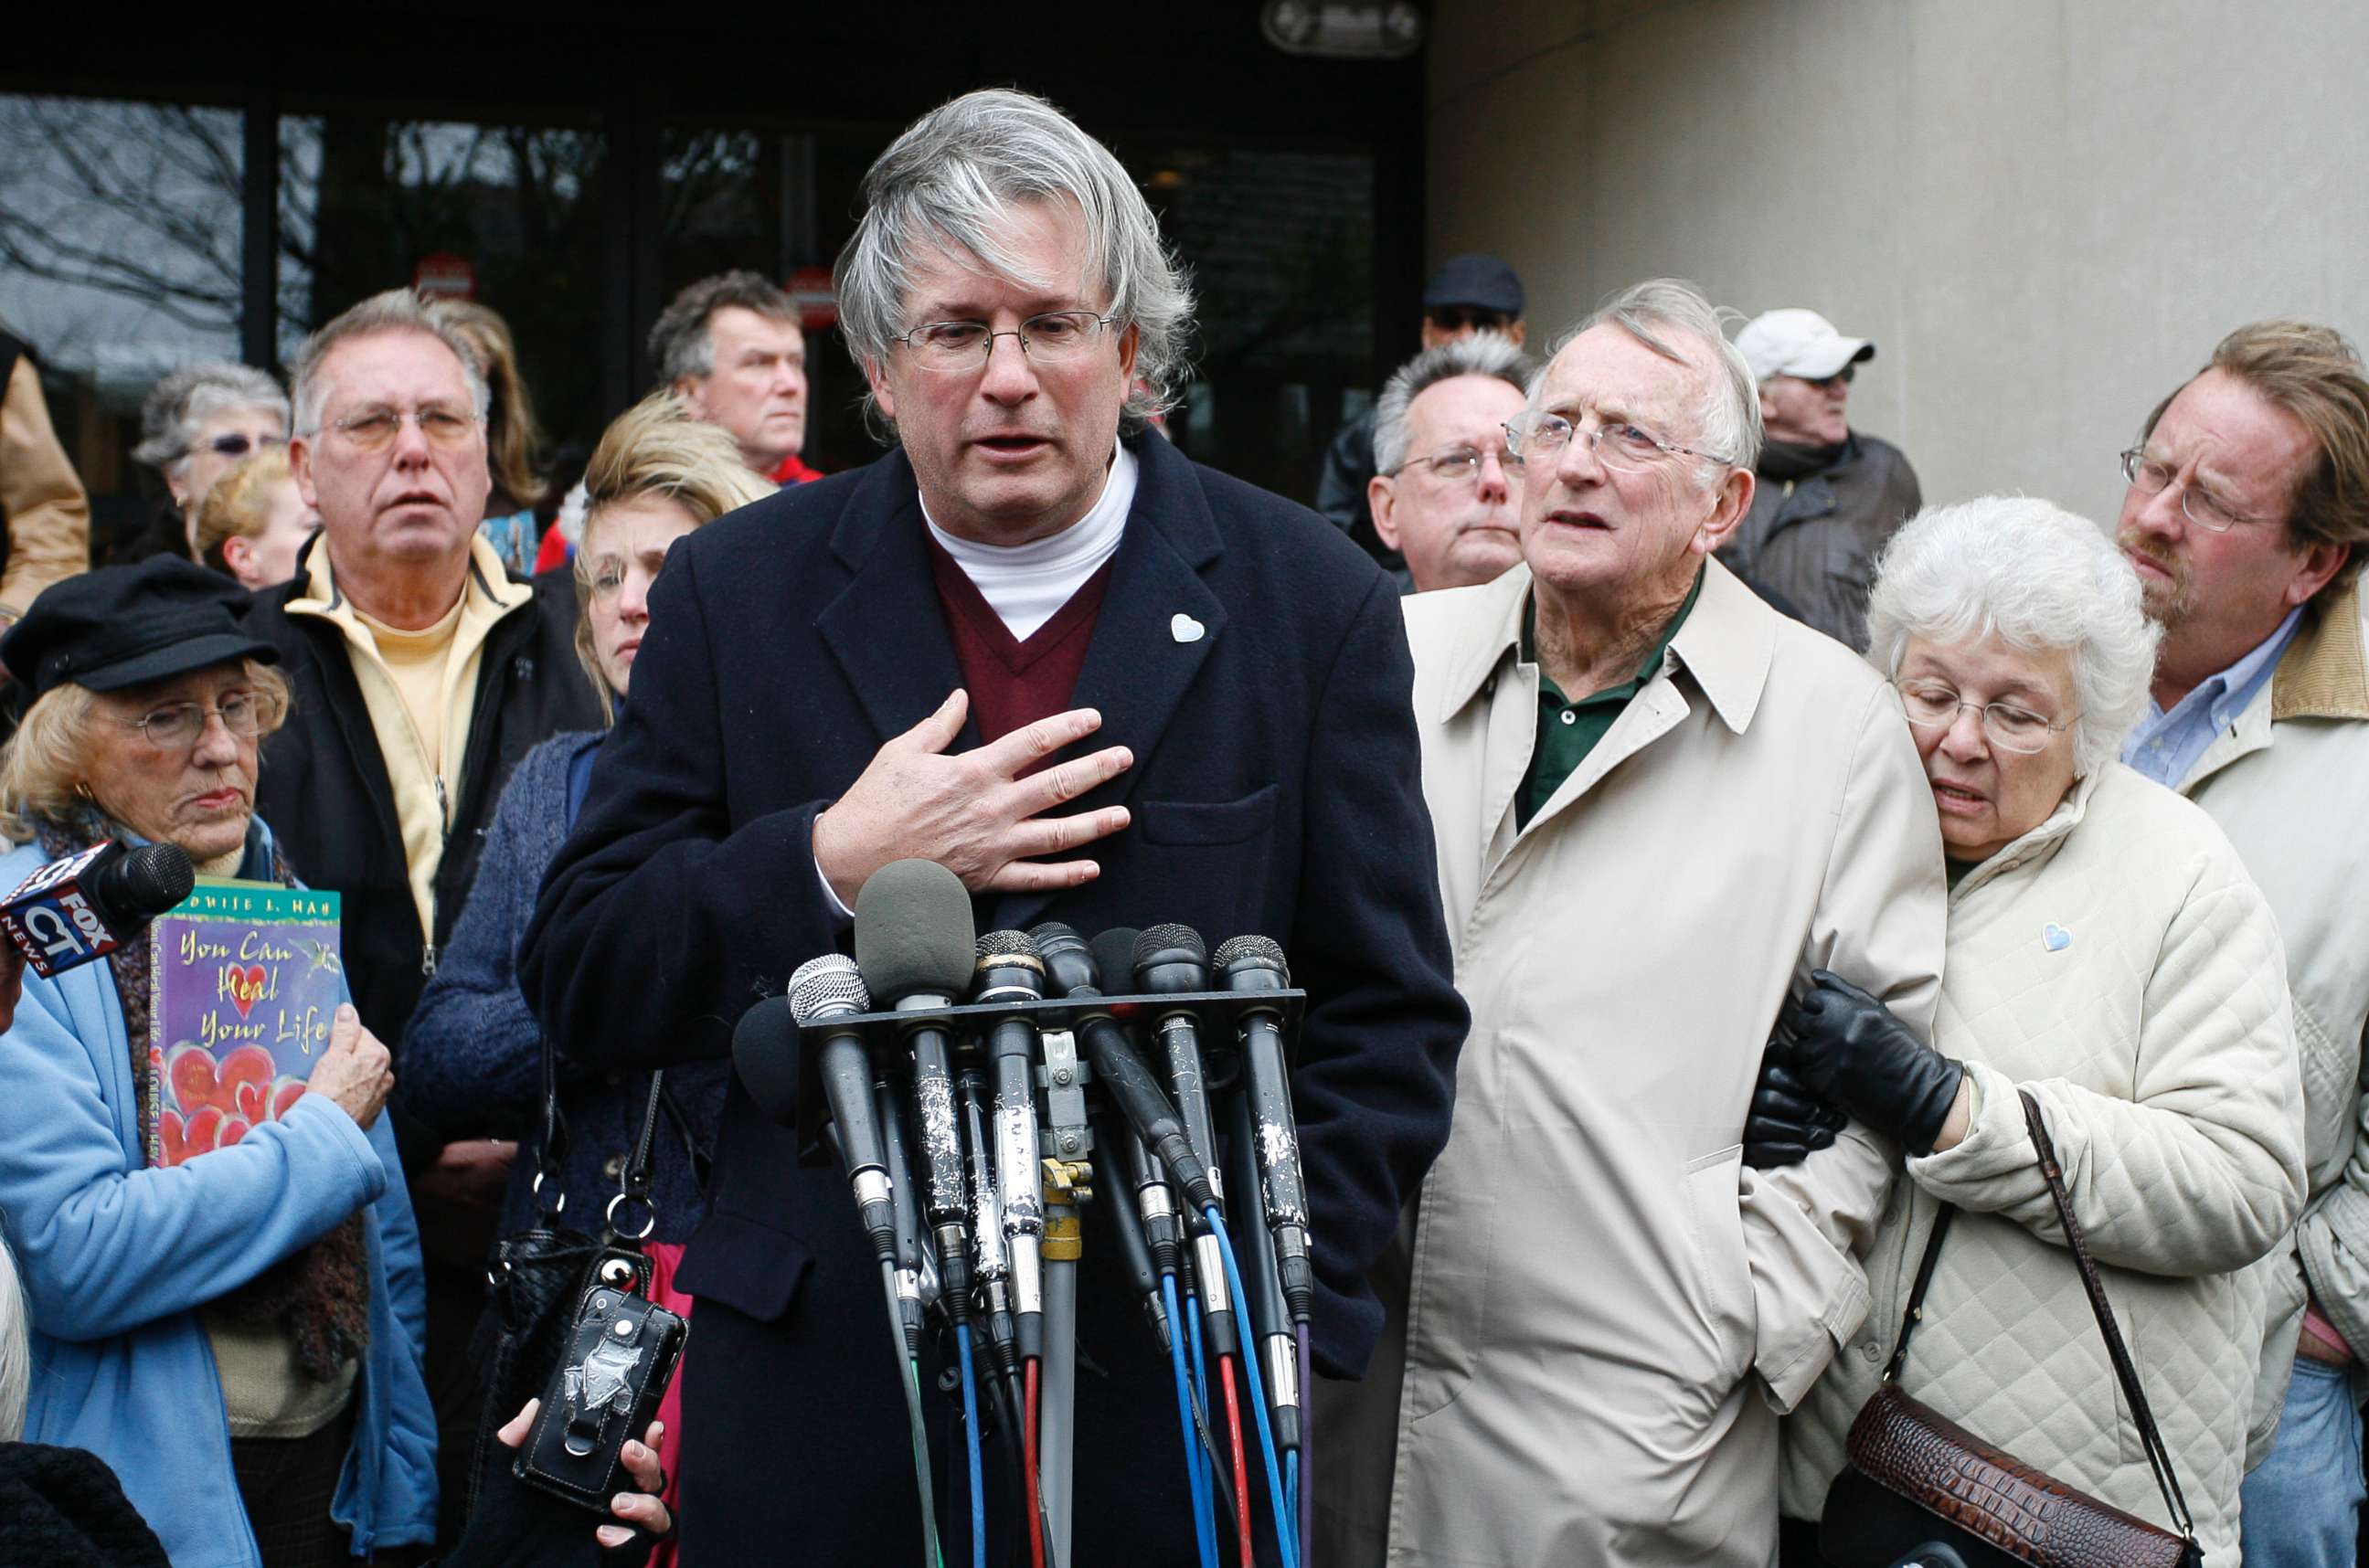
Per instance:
(1285,1535)
(970,1427)
(1204,1531)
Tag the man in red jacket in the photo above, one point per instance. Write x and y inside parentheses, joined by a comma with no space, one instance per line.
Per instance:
(730,347)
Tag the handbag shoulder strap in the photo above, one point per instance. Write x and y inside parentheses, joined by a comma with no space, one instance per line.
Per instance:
(1915,1311)
(2125,1371)
(550,1157)
(635,1188)
(701,1156)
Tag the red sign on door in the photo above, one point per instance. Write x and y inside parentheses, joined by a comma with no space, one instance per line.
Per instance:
(445,275)
(809,290)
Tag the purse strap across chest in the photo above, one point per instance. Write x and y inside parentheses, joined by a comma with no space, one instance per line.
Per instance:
(2125,1370)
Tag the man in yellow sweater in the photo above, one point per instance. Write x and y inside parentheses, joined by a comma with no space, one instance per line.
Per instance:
(422,672)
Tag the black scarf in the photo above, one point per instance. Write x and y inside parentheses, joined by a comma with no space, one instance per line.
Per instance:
(1784,460)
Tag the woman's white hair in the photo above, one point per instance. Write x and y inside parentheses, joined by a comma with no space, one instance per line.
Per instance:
(2040,577)
(950,183)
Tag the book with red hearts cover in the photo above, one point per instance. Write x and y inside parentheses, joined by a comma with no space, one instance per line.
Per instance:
(244,981)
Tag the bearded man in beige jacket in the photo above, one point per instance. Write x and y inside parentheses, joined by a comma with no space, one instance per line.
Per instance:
(1659,805)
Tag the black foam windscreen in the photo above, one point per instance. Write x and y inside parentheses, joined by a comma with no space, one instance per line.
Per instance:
(913,931)
(151,881)
(1114,953)
(765,1056)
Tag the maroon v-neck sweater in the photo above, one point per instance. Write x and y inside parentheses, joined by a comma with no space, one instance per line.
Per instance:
(1014,683)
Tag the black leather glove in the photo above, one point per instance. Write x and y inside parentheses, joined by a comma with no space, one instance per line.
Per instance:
(1853,1053)
(1787,1123)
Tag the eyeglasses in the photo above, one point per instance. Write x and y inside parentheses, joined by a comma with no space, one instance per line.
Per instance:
(1842,377)
(177,727)
(1057,336)
(1456,318)
(1932,705)
(1459,465)
(236,445)
(375,430)
(1617,445)
(2204,508)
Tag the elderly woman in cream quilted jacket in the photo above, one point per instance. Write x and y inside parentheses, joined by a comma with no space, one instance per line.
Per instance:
(2109,956)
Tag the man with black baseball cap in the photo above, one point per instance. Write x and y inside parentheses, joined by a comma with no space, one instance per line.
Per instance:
(1471,293)
(1829,496)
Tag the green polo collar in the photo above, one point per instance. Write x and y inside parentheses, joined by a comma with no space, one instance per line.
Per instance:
(1568,731)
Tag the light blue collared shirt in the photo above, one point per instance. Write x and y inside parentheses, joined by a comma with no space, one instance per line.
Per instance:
(2165,745)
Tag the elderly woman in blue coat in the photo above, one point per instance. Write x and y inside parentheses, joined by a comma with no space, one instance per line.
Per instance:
(237,1334)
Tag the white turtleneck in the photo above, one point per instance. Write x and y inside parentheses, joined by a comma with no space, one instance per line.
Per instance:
(1026,583)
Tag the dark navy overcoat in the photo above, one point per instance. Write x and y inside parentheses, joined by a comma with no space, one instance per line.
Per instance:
(1255,662)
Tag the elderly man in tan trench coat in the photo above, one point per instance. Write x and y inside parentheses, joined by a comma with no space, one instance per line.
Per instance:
(1659,805)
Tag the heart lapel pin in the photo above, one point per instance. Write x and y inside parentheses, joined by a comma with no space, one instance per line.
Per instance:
(2055,937)
(1186,629)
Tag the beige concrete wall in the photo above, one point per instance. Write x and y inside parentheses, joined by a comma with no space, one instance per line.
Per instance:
(2043,212)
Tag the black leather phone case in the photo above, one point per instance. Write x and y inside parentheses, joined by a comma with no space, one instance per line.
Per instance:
(621,1352)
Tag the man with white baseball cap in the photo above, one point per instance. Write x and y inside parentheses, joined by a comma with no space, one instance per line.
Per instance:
(1829,496)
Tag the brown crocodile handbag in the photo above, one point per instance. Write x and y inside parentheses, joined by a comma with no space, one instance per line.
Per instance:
(1916,1478)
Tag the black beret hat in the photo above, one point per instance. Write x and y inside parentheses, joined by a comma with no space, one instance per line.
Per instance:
(122,626)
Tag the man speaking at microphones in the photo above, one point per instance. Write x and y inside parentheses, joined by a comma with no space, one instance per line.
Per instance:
(1102,684)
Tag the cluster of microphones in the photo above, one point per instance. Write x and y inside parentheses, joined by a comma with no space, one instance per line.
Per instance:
(967,1082)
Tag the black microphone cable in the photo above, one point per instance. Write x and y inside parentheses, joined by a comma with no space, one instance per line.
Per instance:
(1120,1150)
(912,1301)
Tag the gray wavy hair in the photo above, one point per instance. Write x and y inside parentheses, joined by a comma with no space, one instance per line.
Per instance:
(396,310)
(1727,420)
(177,404)
(1483,354)
(2041,578)
(681,344)
(951,181)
